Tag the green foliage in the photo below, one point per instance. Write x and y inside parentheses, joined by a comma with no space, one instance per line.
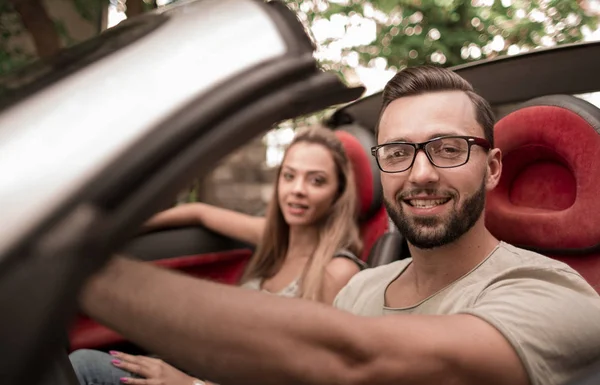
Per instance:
(450,32)
(91,10)
(13,55)
(443,32)
(408,32)
(63,32)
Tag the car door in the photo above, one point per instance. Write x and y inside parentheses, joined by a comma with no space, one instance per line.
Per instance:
(79,174)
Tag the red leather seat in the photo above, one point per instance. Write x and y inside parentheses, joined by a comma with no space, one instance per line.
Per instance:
(373,216)
(548,198)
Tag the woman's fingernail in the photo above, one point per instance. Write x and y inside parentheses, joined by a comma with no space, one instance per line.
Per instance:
(124,379)
(116,362)
(113,353)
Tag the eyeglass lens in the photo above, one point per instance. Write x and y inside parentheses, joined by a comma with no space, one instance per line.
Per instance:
(443,152)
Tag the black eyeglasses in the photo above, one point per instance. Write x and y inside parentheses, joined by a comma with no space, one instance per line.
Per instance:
(442,152)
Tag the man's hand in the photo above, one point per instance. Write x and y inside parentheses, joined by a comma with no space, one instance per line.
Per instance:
(154,371)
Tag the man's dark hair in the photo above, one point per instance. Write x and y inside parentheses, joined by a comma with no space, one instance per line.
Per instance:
(420,80)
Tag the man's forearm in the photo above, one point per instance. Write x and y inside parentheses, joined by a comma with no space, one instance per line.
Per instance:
(223,333)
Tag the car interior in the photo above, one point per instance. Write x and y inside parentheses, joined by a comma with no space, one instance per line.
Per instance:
(545,201)
(185,249)
(549,184)
(550,148)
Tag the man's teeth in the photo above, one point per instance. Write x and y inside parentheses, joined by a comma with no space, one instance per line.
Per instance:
(427,203)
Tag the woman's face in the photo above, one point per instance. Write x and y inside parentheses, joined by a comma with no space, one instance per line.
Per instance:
(307,185)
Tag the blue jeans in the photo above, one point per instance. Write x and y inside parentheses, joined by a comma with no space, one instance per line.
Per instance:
(94,367)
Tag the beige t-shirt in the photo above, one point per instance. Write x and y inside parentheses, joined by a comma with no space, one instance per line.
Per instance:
(545,309)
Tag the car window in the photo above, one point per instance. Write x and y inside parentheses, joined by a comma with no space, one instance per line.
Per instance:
(244,180)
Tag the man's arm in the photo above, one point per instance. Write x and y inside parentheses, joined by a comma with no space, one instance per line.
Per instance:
(232,336)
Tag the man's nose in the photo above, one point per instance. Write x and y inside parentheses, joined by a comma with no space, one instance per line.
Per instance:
(422,171)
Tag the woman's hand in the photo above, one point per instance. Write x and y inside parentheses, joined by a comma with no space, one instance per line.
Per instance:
(154,371)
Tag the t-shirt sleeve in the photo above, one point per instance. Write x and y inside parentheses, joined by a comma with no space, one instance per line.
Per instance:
(550,317)
(364,293)
(360,288)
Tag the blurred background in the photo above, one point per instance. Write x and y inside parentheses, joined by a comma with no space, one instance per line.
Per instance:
(365,42)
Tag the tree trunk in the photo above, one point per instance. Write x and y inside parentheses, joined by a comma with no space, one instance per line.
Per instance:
(137,7)
(41,27)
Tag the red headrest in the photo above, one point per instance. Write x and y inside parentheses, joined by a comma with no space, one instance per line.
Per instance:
(373,216)
(362,170)
(547,197)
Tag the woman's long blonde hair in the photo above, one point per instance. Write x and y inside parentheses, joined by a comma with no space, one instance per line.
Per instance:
(338,229)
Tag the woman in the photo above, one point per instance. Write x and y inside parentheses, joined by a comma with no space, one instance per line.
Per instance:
(306,246)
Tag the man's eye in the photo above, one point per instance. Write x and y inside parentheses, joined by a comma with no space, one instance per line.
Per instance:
(450,150)
(396,154)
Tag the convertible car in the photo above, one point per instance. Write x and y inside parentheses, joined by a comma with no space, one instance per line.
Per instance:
(79,172)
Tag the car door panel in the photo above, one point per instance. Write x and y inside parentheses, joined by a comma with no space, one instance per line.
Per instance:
(196,251)
(105,173)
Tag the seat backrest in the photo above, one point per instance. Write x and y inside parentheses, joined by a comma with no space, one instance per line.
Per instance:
(548,196)
(373,217)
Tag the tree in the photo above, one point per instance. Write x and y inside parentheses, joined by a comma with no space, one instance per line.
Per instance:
(399,32)
(31,29)
(136,7)
(36,20)
(446,32)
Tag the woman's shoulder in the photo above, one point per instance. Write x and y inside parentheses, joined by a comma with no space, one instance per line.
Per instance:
(344,265)
(349,255)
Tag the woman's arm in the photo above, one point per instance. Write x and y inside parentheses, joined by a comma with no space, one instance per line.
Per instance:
(337,274)
(243,227)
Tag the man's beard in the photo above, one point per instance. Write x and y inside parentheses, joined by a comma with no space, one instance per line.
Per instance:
(419,231)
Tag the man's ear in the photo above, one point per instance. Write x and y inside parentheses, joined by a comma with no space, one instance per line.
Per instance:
(494,168)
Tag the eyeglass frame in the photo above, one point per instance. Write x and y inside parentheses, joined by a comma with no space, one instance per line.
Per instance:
(471,141)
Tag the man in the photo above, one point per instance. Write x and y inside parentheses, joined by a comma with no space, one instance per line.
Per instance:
(466,309)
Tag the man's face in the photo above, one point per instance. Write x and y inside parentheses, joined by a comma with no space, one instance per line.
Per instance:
(434,206)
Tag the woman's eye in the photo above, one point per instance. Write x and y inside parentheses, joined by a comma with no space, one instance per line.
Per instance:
(318,181)
(287,176)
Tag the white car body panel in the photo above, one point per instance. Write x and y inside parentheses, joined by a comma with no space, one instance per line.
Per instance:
(37,136)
